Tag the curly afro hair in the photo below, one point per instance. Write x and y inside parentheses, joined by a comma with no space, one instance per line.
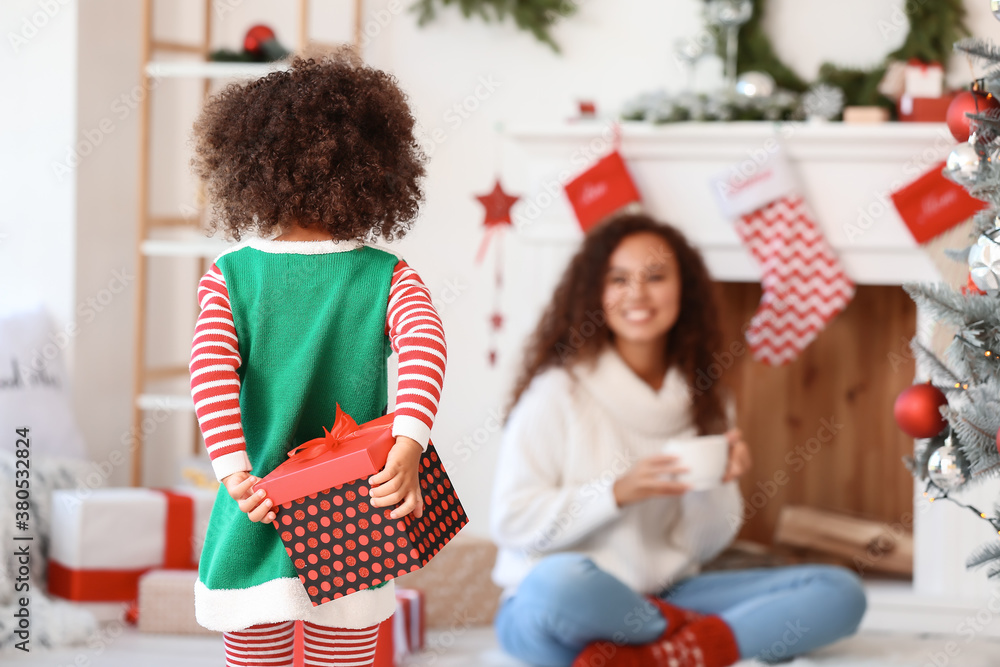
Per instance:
(327,144)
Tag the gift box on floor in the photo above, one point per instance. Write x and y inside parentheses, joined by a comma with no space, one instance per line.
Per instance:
(166,603)
(338,542)
(104,540)
(458,588)
(408,629)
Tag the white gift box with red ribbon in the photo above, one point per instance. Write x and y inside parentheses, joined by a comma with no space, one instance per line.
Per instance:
(923,80)
(104,540)
(408,623)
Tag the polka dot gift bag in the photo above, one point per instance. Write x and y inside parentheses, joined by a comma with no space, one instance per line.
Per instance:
(337,541)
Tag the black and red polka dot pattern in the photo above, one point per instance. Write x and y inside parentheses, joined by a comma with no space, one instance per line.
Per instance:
(340,544)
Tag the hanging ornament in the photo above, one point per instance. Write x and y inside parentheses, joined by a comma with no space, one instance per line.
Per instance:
(261,43)
(917,410)
(995,8)
(755,85)
(963,164)
(971,287)
(966,102)
(984,262)
(497,218)
(944,467)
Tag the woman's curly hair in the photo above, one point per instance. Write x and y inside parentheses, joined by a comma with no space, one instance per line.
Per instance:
(573,328)
(327,144)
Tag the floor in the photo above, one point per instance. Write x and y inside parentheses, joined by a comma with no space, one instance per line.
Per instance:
(476,648)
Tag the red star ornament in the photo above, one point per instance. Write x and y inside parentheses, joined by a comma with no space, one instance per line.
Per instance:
(497,205)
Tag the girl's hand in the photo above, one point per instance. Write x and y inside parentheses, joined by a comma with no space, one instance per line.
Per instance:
(256,506)
(399,480)
(740,460)
(650,478)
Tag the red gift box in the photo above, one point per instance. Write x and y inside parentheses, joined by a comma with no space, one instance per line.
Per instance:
(338,543)
(601,190)
(410,621)
(104,541)
(932,204)
(924,109)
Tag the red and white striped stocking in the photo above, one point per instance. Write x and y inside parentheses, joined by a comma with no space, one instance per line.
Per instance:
(329,647)
(272,645)
(804,284)
(269,644)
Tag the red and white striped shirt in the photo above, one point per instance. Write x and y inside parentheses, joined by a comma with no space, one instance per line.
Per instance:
(415,333)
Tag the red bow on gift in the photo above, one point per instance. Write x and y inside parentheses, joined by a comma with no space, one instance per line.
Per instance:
(343,426)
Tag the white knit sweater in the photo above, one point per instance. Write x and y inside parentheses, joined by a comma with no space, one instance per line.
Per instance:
(571,435)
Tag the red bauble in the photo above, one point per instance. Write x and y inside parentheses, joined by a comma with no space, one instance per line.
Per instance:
(967,101)
(917,411)
(256,36)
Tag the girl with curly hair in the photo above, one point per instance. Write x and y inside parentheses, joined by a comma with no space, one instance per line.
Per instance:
(600,547)
(312,165)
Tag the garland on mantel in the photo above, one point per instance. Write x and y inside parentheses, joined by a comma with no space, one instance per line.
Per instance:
(535,16)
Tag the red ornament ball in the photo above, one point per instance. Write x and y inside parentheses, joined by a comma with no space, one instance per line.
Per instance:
(258,34)
(917,411)
(967,101)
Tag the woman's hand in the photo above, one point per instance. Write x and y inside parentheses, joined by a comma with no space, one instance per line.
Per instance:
(739,456)
(649,478)
(256,505)
(399,480)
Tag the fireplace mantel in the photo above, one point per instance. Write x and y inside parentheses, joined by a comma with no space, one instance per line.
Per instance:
(845,172)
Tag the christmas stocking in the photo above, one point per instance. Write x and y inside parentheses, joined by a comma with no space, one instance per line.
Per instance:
(804,284)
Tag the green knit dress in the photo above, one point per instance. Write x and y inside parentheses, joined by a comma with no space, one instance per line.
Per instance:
(311,334)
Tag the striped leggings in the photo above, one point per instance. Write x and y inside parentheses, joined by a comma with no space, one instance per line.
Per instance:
(272,645)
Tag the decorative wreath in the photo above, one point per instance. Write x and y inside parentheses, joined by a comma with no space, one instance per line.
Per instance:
(935,25)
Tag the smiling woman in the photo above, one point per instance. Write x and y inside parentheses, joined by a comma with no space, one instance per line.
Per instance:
(600,547)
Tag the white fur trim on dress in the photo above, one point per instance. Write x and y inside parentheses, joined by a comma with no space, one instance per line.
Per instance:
(304,247)
(286,599)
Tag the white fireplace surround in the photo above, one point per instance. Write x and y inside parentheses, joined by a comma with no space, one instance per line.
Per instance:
(845,174)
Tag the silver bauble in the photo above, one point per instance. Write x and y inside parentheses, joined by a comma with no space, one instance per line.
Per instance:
(730,13)
(944,469)
(984,262)
(823,101)
(755,85)
(963,164)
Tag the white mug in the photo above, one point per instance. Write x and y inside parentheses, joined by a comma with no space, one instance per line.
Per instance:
(704,456)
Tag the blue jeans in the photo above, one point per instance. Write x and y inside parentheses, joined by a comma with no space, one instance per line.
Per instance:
(566,602)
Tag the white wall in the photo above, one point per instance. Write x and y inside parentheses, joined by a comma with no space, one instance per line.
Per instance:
(37,128)
(611,51)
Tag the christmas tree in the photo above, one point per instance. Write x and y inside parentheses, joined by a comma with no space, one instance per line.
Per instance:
(961,450)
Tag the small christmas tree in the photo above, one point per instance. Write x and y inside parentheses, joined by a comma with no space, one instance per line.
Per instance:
(965,452)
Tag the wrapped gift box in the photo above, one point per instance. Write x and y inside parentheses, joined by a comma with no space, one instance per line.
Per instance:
(409,627)
(166,603)
(338,542)
(923,80)
(924,109)
(458,587)
(105,540)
